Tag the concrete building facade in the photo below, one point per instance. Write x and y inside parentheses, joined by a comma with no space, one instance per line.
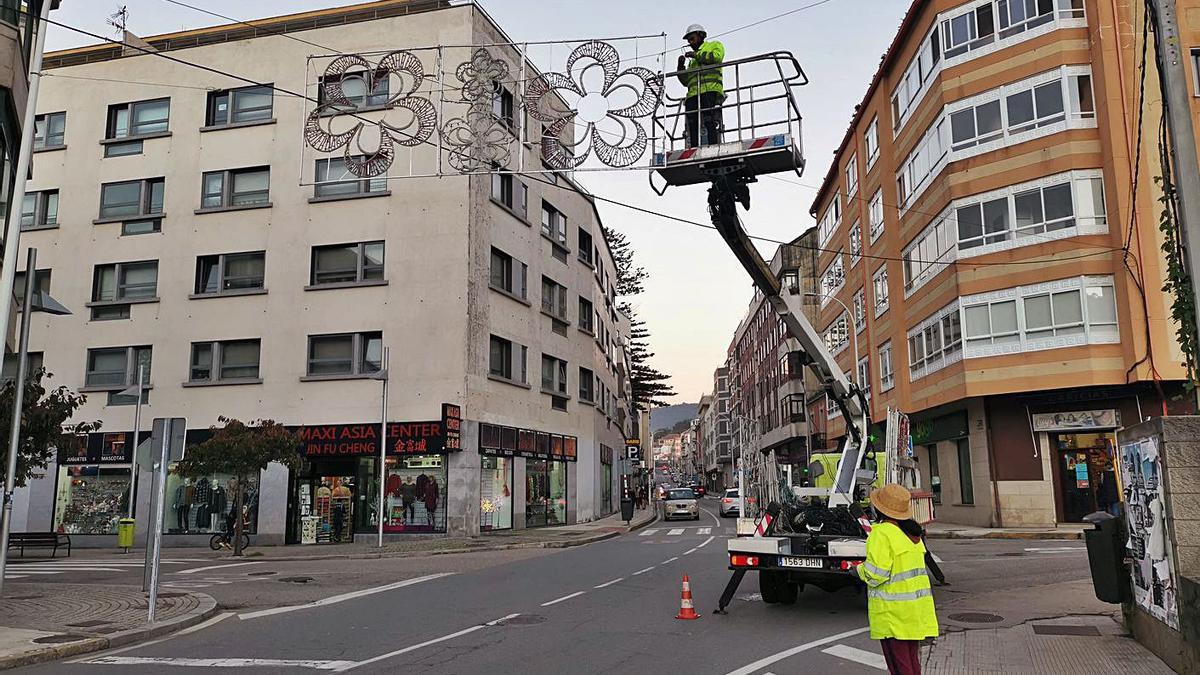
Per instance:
(190,240)
(984,216)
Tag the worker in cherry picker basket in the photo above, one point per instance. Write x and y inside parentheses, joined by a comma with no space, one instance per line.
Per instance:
(705,86)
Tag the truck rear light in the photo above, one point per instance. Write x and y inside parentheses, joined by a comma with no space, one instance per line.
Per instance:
(743,560)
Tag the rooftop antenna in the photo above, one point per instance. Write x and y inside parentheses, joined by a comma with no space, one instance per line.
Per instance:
(119,20)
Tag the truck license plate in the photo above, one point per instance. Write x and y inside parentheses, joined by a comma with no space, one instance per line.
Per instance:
(792,561)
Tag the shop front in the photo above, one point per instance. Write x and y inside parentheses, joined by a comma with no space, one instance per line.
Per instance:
(546,457)
(606,480)
(1082,453)
(92,484)
(335,494)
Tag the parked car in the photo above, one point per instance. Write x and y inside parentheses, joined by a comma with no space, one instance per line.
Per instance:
(729,504)
(681,503)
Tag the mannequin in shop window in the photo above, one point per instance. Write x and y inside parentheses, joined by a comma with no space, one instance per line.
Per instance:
(184,494)
(408,498)
(432,494)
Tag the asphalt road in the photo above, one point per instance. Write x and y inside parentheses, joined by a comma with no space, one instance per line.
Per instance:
(605,607)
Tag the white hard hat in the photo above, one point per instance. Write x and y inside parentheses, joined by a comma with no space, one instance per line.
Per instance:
(694,28)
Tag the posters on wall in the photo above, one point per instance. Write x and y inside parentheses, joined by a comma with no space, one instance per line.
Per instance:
(1153,576)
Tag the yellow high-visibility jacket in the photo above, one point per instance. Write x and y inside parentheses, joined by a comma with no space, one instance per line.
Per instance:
(709,53)
(899,596)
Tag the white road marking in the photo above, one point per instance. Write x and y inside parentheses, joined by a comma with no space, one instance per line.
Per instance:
(343,597)
(857,655)
(140,645)
(936,559)
(39,569)
(14,576)
(689,551)
(647,533)
(220,567)
(675,532)
(1059,549)
(704,530)
(27,572)
(705,542)
(644,571)
(217,663)
(434,641)
(669,560)
(563,598)
(610,583)
(779,656)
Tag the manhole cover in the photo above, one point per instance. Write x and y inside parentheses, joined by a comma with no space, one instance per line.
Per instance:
(88,624)
(975,617)
(55,639)
(261,574)
(1065,629)
(296,580)
(522,620)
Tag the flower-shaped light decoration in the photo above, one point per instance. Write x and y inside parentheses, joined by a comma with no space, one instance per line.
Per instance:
(420,116)
(624,95)
(479,140)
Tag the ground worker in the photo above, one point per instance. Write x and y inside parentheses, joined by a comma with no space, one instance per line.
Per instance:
(705,88)
(899,596)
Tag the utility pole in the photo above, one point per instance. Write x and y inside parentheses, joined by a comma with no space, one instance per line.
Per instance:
(1173,79)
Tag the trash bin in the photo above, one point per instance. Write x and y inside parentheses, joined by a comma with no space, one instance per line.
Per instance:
(1106,557)
(627,510)
(125,533)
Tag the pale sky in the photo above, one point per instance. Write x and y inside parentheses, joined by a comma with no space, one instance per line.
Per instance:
(697,293)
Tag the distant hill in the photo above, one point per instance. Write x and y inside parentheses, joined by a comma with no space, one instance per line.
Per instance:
(662,419)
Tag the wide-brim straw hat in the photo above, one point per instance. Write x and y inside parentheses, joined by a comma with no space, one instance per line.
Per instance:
(893,501)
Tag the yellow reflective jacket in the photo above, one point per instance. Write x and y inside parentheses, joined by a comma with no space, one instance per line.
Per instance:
(709,53)
(899,596)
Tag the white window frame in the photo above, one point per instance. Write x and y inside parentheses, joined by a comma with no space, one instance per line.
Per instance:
(837,334)
(856,243)
(863,375)
(852,175)
(871,142)
(875,213)
(859,307)
(879,281)
(887,371)
(832,279)
(937,345)
(906,97)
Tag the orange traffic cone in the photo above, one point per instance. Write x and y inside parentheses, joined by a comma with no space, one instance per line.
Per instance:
(686,609)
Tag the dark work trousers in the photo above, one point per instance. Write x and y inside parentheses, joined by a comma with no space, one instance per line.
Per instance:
(709,116)
(903,656)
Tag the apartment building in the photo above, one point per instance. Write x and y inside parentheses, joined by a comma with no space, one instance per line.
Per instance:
(975,222)
(191,245)
(719,429)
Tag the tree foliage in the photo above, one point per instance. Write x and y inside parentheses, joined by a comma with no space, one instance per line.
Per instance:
(242,450)
(629,275)
(44,427)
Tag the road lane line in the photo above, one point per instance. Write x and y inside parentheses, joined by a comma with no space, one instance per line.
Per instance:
(220,567)
(675,532)
(343,597)
(217,663)
(647,533)
(451,636)
(610,583)
(705,542)
(669,560)
(857,655)
(779,656)
(704,530)
(563,598)
(645,570)
(689,551)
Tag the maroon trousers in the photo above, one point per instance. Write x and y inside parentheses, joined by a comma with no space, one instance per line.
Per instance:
(903,656)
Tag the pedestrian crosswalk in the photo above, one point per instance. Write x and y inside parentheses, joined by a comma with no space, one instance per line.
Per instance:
(679,531)
(32,571)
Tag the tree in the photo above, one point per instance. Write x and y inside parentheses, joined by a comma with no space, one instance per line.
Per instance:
(44,425)
(629,276)
(241,450)
(650,386)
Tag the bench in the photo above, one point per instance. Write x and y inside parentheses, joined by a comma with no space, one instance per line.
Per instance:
(52,540)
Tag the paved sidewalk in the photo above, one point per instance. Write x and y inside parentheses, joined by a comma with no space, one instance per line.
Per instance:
(564,536)
(43,622)
(952,531)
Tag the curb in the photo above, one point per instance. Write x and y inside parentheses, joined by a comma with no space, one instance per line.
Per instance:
(1065,535)
(207,609)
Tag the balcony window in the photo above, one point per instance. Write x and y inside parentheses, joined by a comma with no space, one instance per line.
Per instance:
(791,409)
(230,272)
(234,188)
(239,106)
(345,354)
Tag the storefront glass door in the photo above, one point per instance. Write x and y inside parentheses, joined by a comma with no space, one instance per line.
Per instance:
(1086,477)
(545,492)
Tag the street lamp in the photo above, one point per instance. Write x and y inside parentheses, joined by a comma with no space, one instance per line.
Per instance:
(853,330)
(382,375)
(136,390)
(33,301)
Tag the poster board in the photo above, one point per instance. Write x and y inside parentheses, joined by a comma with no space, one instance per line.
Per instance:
(1149,548)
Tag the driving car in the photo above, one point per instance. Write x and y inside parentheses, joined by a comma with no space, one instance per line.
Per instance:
(698,489)
(729,504)
(681,503)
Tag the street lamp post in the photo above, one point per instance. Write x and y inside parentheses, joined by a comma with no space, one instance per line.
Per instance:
(135,390)
(383,376)
(32,301)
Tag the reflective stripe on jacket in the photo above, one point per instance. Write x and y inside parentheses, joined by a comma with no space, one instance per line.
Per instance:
(709,53)
(899,596)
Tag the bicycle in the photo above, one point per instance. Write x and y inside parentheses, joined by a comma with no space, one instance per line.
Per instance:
(224,540)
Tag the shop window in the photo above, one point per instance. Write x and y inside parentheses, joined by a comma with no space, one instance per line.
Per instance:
(545,492)
(236,188)
(966,483)
(50,131)
(345,354)
(91,499)
(495,493)
(335,180)
(347,263)
(238,106)
(414,494)
(230,273)
(206,504)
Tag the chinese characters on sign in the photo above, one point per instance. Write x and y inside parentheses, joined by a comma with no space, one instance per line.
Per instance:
(403,438)
(452,426)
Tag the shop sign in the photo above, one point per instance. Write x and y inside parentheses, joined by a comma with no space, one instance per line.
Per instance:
(1077,420)
(633,448)
(108,448)
(510,442)
(361,440)
(941,428)
(452,427)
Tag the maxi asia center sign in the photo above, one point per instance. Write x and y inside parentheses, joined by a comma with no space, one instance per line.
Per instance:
(403,438)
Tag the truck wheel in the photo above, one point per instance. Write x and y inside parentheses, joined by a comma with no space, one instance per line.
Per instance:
(769,586)
(789,591)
